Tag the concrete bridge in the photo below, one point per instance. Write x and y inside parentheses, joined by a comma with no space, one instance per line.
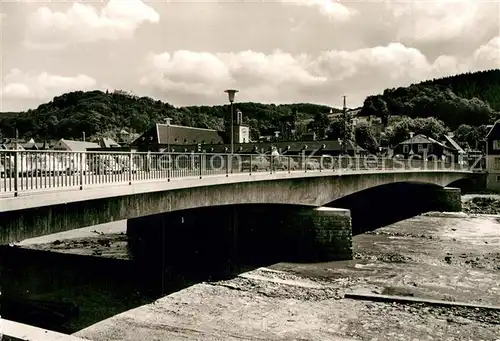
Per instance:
(48,192)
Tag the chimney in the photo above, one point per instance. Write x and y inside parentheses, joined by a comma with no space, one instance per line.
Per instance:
(167,121)
(411,134)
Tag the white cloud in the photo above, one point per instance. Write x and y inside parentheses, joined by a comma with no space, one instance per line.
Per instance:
(280,77)
(442,21)
(206,75)
(82,23)
(488,55)
(43,86)
(333,9)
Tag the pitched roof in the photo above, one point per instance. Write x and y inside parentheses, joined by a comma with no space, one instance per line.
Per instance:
(79,146)
(106,142)
(420,138)
(492,128)
(175,134)
(453,143)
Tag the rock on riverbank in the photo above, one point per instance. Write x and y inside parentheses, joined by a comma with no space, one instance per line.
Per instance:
(482,205)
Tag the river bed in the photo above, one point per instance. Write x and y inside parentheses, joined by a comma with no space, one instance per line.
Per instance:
(451,257)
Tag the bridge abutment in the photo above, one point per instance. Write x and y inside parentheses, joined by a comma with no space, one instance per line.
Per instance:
(447,199)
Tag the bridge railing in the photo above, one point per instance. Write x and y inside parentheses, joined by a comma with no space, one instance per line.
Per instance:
(24,171)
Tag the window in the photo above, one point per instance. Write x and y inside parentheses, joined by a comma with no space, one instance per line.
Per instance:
(496,163)
(429,147)
(498,178)
(406,149)
(420,147)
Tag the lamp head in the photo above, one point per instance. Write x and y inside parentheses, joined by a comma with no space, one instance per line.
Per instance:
(231,93)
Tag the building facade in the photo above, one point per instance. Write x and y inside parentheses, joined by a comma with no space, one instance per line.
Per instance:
(171,137)
(425,147)
(493,157)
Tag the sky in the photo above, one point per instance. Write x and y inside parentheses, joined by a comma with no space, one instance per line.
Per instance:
(188,52)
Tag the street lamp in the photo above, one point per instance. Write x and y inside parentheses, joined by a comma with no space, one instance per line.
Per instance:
(231,93)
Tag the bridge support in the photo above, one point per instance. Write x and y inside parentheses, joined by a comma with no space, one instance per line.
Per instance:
(447,199)
(214,242)
(320,235)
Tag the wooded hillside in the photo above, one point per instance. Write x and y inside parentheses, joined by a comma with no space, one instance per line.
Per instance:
(470,98)
(102,113)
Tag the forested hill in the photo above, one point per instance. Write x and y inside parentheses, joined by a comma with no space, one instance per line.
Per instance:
(469,98)
(100,113)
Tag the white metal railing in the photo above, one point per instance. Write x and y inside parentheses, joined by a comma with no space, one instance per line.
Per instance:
(25,171)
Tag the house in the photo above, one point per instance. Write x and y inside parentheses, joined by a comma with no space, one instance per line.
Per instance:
(493,157)
(164,136)
(12,145)
(32,145)
(425,147)
(74,146)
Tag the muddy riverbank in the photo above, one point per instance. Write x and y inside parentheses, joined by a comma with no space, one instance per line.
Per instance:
(452,257)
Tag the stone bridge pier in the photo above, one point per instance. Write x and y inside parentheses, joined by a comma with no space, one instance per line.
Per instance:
(212,242)
(447,199)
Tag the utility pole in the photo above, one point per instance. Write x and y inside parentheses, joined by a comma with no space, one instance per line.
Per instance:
(346,136)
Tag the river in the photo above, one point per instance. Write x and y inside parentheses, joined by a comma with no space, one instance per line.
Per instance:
(451,257)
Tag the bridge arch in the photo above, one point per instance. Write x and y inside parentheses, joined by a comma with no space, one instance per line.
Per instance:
(386,204)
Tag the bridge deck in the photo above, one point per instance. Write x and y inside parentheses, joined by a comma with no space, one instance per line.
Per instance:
(34,179)
(62,195)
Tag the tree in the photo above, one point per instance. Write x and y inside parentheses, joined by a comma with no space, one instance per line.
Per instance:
(341,127)
(469,137)
(400,131)
(376,106)
(320,124)
(366,138)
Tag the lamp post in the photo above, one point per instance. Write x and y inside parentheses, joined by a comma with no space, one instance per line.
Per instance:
(231,93)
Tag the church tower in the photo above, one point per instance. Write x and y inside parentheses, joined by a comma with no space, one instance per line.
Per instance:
(241,132)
